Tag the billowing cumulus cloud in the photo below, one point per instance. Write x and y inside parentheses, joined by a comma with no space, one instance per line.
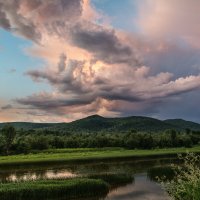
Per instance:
(13,21)
(104,44)
(171,19)
(30,18)
(84,84)
(92,67)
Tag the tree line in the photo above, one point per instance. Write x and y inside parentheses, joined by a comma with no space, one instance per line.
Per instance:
(14,141)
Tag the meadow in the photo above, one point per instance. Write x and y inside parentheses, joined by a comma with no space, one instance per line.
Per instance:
(81,155)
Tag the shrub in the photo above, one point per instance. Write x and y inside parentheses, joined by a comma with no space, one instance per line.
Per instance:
(186,184)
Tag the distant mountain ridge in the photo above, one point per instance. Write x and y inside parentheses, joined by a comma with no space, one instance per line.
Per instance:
(183,123)
(96,123)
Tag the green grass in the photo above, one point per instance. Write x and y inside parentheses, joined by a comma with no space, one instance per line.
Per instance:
(72,155)
(89,186)
(49,189)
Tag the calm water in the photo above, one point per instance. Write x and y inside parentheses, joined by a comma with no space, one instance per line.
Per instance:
(143,187)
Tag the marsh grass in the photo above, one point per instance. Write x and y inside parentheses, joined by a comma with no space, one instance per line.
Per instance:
(186,184)
(49,189)
(77,187)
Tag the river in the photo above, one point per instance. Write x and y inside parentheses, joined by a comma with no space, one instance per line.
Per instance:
(143,187)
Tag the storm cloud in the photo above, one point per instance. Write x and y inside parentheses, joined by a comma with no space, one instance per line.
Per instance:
(104,44)
(93,67)
(30,18)
(84,83)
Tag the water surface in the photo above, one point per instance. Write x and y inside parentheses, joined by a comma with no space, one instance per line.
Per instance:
(144,186)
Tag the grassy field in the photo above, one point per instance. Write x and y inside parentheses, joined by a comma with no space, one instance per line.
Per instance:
(72,155)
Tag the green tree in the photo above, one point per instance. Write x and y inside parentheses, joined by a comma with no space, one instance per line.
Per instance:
(188,131)
(173,134)
(2,144)
(9,134)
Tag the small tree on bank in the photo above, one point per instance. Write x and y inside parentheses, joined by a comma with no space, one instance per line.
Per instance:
(9,134)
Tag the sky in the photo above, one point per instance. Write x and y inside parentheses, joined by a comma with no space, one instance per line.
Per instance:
(62,60)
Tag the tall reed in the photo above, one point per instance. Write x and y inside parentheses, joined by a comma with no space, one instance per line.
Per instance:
(48,189)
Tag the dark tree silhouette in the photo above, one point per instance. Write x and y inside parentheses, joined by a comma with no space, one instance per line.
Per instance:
(9,134)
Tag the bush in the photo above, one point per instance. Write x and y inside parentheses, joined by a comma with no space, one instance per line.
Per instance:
(186,184)
(23,146)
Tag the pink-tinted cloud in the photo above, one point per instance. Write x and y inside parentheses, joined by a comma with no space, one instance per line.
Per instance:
(170,20)
(93,67)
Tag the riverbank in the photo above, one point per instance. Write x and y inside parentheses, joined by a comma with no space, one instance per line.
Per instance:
(81,155)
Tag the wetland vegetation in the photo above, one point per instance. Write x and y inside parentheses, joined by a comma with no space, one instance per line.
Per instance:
(185,185)
(88,186)
(128,177)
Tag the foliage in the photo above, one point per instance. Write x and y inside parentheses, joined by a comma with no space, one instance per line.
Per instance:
(28,141)
(9,134)
(186,184)
(157,173)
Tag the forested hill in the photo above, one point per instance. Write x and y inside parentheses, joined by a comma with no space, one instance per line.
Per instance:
(28,125)
(96,123)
